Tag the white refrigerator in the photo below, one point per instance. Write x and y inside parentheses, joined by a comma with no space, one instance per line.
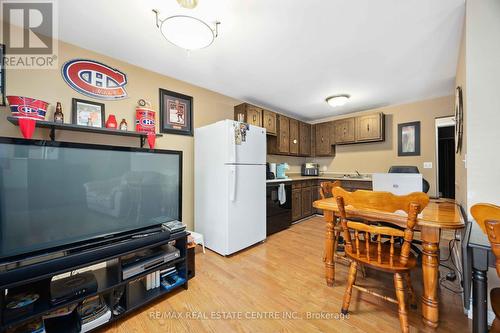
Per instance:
(230,185)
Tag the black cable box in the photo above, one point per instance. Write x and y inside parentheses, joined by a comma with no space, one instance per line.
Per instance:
(70,287)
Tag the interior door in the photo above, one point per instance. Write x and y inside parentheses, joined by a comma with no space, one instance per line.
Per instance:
(247,207)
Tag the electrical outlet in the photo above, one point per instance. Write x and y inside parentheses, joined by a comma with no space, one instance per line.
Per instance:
(427,165)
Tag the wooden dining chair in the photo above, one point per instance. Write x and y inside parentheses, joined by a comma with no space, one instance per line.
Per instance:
(326,191)
(487,216)
(363,250)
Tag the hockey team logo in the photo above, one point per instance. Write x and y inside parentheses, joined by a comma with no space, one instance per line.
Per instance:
(93,79)
(24,107)
(146,122)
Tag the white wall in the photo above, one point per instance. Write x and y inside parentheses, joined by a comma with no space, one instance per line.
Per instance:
(483,101)
(483,110)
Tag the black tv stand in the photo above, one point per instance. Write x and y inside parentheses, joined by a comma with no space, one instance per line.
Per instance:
(36,278)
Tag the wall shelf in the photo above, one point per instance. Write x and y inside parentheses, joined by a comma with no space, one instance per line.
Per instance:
(78,128)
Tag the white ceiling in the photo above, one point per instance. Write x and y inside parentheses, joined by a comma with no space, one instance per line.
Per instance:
(288,55)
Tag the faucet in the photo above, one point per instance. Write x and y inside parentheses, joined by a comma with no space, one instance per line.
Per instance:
(359,175)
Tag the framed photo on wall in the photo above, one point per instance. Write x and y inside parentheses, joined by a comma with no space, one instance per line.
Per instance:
(176,113)
(409,139)
(87,113)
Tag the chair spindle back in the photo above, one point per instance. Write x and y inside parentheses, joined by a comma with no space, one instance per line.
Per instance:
(412,204)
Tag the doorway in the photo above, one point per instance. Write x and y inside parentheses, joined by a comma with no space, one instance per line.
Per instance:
(445,157)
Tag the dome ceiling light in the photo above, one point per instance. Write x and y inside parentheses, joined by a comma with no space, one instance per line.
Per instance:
(186,32)
(337,100)
(189,4)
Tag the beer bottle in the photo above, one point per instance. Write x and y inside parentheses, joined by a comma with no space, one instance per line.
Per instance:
(58,115)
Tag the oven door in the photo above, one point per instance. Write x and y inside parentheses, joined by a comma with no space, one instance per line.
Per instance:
(278,216)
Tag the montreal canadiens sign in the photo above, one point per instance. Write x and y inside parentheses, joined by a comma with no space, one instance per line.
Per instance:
(94,79)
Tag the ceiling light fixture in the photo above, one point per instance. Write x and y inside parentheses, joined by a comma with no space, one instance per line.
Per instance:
(186,32)
(189,4)
(337,100)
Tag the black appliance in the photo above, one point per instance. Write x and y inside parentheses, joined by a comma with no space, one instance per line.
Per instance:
(269,174)
(278,216)
(59,195)
(67,288)
(310,169)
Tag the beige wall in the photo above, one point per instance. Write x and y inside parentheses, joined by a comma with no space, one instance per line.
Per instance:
(379,156)
(49,86)
(460,170)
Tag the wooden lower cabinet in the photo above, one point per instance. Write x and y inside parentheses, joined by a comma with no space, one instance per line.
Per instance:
(302,199)
(316,196)
(296,204)
(305,192)
(307,201)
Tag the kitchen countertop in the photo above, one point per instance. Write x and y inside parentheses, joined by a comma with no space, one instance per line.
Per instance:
(326,176)
(278,180)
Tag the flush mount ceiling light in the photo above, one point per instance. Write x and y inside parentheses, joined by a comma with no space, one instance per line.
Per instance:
(337,100)
(187,32)
(189,4)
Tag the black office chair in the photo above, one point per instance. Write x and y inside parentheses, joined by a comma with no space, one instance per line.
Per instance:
(410,169)
(425,189)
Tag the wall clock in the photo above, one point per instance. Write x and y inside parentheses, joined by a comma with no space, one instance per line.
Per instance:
(459,114)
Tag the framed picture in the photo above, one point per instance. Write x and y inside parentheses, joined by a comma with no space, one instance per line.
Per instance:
(87,113)
(459,119)
(409,139)
(176,113)
(2,75)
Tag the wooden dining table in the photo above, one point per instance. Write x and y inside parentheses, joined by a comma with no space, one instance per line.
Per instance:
(438,215)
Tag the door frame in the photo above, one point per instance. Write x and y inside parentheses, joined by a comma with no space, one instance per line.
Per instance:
(440,122)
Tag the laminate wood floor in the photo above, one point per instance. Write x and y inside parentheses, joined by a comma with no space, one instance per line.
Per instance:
(279,286)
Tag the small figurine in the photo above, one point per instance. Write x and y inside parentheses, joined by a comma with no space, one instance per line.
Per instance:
(123,125)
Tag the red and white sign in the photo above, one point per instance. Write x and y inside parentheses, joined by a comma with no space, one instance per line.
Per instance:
(94,79)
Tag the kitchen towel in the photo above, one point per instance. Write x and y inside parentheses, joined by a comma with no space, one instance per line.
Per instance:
(282,194)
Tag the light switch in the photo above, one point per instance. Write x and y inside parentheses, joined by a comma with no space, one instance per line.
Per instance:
(427,165)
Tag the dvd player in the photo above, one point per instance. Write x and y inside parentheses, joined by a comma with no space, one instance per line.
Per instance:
(148,260)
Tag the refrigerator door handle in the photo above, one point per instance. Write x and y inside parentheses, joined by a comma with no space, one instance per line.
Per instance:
(232,183)
(232,143)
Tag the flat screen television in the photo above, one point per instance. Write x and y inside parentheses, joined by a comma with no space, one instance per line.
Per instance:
(56,194)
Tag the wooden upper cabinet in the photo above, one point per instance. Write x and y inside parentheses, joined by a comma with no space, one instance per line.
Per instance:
(283,144)
(250,114)
(269,122)
(370,127)
(304,139)
(322,139)
(344,131)
(294,136)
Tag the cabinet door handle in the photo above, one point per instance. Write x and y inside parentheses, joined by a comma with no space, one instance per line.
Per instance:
(254,118)
(368,127)
(322,139)
(294,141)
